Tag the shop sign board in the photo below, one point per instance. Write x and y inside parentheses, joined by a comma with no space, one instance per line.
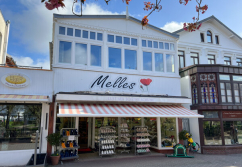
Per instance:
(15,80)
(121,82)
(232,114)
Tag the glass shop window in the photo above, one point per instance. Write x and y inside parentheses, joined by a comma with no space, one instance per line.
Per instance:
(81,54)
(65,122)
(65,52)
(151,123)
(232,132)
(114,56)
(130,59)
(168,132)
(18,126)
(212,133)
(96,55)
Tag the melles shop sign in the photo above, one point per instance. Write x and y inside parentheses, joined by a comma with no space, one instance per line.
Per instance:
(120,83)
(15,80)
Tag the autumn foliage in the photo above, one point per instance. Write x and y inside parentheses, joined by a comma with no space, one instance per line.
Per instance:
(148,6)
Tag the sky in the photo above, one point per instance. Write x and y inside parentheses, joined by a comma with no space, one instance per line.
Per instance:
(31,22)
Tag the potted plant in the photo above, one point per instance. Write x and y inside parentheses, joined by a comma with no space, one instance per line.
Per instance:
(54,139)
(182,137)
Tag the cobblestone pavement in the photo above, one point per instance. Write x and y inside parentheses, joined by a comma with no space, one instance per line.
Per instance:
(199,160)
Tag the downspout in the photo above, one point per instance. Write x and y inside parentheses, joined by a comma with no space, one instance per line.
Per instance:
(6,42)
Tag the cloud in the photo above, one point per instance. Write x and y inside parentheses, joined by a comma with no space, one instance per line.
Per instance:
(172,26)
(28,61)
(33,26)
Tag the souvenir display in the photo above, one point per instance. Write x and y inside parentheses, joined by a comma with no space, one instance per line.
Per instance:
(107,142)
(142,140)
(124,138)
(69,146)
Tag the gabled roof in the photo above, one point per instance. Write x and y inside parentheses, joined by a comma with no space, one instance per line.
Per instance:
(59,16)
(210,18)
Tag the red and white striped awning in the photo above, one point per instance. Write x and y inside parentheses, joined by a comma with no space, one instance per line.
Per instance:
(7,97)
(124,110)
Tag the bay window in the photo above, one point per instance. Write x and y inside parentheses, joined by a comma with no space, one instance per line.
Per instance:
(170,63)
(159,62)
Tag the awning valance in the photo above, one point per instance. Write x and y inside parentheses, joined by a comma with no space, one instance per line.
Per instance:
(124,110)
(19,98)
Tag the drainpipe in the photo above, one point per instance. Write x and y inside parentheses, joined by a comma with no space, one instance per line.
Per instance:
(6,42)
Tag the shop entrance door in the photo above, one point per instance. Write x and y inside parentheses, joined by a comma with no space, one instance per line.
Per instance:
(83,131)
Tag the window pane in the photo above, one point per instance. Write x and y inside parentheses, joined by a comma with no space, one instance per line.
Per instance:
(212,133)
(210,114)
(126,40)
(62,30)
(134,41)
(114,57)
(167,46)
(161,45)
(77,33)
(170,63)
(130,59)
(147,61)
(144,43)
(181,60)
(110,38)
(99,36)
(159,63)
(96,55)
(210,56)
(168,128)
(155,44)
(150,44)
(92,35)
(152,129)
(18,126)
(192,61)
(216,38)
(237,78)
(172,46)
(85,34)
(232,132)
(118,39)
(65,52)
(224,99)
(224,77)
(209,37)
(196,60)
(70,31)
(81,54)
(202,37)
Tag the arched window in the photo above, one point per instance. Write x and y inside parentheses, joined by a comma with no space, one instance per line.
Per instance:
(209,37)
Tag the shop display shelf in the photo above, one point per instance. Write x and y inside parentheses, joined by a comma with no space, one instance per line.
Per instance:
(107,136)
(142,147)
(123,147)
(107,148)
(107,154)
(69,148)
(70,135)
(68,158)
(107,144)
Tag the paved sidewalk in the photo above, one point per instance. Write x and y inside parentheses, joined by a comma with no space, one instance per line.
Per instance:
(200,160)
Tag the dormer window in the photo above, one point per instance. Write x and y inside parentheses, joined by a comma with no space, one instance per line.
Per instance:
(209,37)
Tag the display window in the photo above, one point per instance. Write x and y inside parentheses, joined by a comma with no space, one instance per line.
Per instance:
(212,133)
(232,132)
(18,126)
(168,132)
(65,122)
(151,123)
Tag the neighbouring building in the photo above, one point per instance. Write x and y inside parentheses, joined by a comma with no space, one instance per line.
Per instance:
(210,61)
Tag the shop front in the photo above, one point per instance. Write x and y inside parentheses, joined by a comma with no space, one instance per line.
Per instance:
(140,125)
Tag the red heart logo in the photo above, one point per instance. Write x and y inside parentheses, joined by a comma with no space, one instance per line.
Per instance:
(146,82)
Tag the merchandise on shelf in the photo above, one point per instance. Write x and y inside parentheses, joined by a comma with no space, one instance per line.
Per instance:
(147,150)
(107,140)
(142,140)
(143,145)
(68,153)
